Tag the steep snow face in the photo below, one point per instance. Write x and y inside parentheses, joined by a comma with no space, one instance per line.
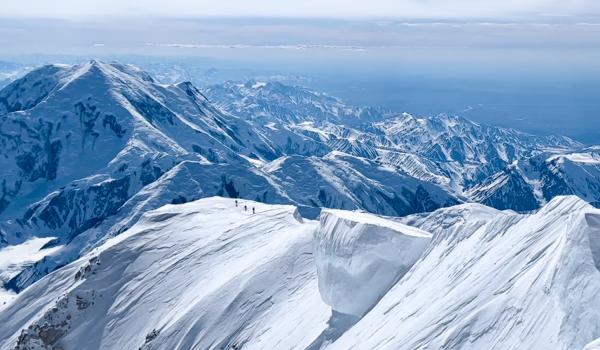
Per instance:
(205,275)
(512,282)
(360,256)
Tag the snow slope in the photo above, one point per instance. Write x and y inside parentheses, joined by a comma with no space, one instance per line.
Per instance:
(360,256)
(494,280)
(209,275)
(13,259)
(204,275)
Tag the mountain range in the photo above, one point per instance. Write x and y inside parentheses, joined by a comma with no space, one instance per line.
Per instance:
(99,160)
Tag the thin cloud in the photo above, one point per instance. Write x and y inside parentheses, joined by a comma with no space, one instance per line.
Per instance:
(77,9)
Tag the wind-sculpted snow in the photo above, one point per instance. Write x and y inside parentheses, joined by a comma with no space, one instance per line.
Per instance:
(360,256)
(204,275)
(508,281)
(211,275)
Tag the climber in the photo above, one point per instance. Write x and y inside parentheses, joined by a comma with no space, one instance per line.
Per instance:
(253,211)
(245,208)
(236,203)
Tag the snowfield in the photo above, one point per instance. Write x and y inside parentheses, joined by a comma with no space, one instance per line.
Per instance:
(201,275)
(512,282)
(210,275)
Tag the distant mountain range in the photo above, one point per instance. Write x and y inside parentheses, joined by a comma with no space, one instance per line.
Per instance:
(87,149)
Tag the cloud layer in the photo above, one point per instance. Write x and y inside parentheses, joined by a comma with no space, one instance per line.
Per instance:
(73,9)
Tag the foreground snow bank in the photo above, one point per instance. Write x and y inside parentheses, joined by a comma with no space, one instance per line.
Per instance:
(495,280)
(203,275)
(360,256)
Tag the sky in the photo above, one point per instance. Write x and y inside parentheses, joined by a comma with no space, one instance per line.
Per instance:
(529,64)
(72,9)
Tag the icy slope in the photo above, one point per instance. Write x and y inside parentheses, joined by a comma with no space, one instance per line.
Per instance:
(360,256)
(204,275)
(512,282)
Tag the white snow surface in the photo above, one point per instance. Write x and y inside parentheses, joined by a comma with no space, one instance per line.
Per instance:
(360,256)
(512,282)
(202,275)
(209,275)
(14,258)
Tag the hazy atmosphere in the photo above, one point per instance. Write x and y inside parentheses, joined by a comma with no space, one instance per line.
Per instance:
(530,65)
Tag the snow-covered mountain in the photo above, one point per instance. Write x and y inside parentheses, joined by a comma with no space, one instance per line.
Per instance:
(494,280)
(88,148)
(78,141)
(275,102)
(447,150)
(90,153)
(531,182)
(210,275)
(204,275)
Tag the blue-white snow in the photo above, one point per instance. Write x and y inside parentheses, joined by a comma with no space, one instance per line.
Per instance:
(210,275)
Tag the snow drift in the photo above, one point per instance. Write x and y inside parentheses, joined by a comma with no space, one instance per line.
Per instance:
(508,281)
(204,275)
(209,275)
(360,256)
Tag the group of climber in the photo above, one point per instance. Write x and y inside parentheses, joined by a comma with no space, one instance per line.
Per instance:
(246,207)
